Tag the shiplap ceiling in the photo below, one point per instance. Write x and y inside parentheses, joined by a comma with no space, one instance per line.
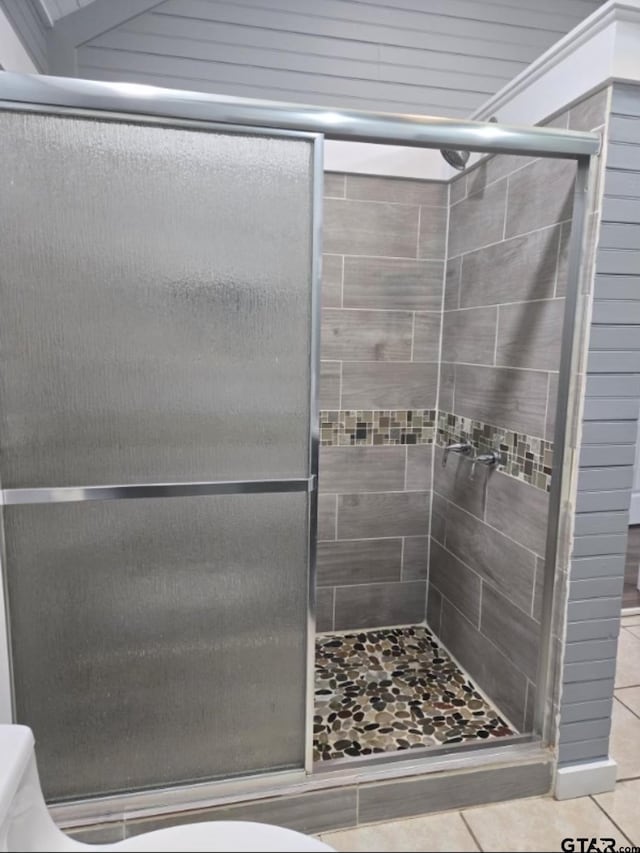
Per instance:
(442,57)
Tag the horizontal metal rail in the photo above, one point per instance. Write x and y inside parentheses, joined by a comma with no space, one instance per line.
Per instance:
(79,494)
(334,123)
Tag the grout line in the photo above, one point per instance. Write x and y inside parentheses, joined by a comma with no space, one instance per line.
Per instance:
(406,464)
(460,282)
(386,201)
(624,704)
(333,610)
(342,284)
(402,558)
(335,538)
(508,239)
(485,304)
(471,832)
(418,234)
(340,387)
(555,282)
(506,206)
(606,813)
(536,569)
(495,343)
(479,625)
(413,331)
(405,311)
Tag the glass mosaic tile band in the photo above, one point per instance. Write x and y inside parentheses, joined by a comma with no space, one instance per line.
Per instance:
(525,457)
(377,427)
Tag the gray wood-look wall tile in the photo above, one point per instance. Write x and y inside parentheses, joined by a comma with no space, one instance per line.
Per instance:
(380,385)
(469,335)
(359,561)
(434,610)
(457,188)
(452,481)
(529,334)
(372,514)
(361,469)
(324,608)
(497,559)
(518,510)
(426,336)
(590,112)
(314,812)
(514,399)
(331,281)
(327,514)
(398,283)
(403,190)
(511,630)
(452,284)
(486,664)
(455,581)
(415,558)
(478,220)
(531,204)
(492,168)
(447,385)
(334,184)
(438,518)
(376,605)
(520,269)
(419,459)
(432,240)
(366,335)
(440,791)
(329,396)
(371,228)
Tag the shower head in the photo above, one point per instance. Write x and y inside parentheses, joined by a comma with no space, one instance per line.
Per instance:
(457,159)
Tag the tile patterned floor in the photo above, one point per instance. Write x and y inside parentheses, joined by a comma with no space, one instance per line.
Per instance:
(539,823)
(394,689)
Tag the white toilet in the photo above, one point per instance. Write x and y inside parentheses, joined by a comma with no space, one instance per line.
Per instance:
(25,823)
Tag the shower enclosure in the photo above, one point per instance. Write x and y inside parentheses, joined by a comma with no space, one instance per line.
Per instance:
(160,430)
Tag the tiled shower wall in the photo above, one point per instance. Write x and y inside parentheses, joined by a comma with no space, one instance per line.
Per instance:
(504,301)
(383,267)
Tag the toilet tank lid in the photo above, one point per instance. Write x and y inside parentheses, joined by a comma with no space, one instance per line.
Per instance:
(16,748)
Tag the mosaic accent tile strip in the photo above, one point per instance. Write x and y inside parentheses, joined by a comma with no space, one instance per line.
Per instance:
(524,457)
(377,427)
(394,689)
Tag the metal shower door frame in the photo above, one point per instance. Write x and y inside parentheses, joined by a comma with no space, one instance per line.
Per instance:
(176,108)
(309,484)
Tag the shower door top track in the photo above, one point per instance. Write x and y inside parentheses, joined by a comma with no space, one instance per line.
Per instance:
(355,125)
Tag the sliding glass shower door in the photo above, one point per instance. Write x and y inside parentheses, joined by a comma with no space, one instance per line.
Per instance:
(155,376)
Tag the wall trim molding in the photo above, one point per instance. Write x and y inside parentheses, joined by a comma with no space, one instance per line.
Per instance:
(580,780)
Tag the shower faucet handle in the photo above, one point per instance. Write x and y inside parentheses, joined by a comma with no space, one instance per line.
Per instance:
(491,458)
(461,447)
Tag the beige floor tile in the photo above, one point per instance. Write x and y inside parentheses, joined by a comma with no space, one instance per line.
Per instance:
(434,832)
(634,629)
(625,741)
(622,806)
(628,665)
(631,620)
(630,696)
(539,824)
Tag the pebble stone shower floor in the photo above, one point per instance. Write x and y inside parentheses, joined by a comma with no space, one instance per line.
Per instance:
(393,689)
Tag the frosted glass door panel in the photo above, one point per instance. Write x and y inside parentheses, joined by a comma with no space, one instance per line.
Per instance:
(155,308)
(159,641)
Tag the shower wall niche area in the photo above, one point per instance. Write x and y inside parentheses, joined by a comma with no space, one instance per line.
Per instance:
(430,576)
